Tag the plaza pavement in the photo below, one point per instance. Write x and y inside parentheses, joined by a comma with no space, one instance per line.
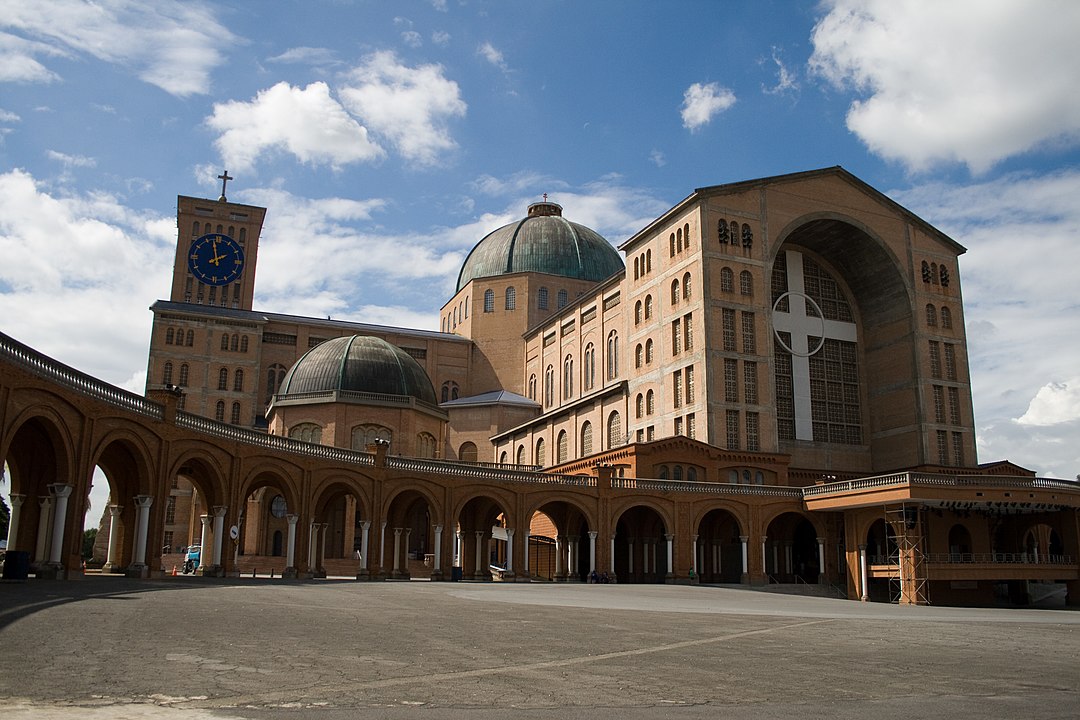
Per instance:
(199,649)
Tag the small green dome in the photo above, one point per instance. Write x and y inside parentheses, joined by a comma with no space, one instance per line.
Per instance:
(358,363)
(543,242)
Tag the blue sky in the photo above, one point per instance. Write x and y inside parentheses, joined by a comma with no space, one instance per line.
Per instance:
(386,138)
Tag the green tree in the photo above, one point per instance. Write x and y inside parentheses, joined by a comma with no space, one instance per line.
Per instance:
(88,539)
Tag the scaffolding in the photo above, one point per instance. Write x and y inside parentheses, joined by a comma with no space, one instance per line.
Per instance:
(910,585)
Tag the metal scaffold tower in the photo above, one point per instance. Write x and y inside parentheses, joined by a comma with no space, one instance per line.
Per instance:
(910,586)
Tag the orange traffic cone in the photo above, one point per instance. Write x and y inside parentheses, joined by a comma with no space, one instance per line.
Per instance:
(174,570)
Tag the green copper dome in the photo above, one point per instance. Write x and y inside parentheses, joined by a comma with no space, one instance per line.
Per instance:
(358,364)
(543,242)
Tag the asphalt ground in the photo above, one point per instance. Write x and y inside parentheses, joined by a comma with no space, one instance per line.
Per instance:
(200,648)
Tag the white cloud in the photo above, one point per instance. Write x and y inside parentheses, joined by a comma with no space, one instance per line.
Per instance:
(6,116)
(702,102)
(410,106)
(412,38)
(966,81)
(305,55)
(308,123)
(785,80)
(17,63)
(173,45)
(1056,402)
(657,158)
(490,53)
(440,38)
(439,5)
(71,160)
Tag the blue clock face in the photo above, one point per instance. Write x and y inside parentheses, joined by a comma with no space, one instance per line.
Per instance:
(216,259)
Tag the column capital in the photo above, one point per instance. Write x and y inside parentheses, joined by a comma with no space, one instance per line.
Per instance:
(292,519)
(143,501)
(220,510)
(820,541)
(16,499)
(115,510)
(205,520)
(509,532)
(862,546)
(594,533)
(744,538)
(669,537)
(438,529)
(365,524)
(61,490)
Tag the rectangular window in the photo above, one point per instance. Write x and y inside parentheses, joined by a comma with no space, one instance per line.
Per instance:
(690,385)
(749,336)
(170,510)
(950,361)
(691,426)
(676,382)
(168,541)
(943,447)
(731,387)
(729,329)
(678,426)
(954,406)
(650,433)
(750,396)
(958,448)
(676,337)
(939,404)
(753,431)
(688,332)
(732,429)
(640,435)
(785,392)
(935,359)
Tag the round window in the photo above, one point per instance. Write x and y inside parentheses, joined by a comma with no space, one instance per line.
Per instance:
(278,508)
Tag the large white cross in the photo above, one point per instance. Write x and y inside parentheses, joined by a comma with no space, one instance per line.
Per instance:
(802,325)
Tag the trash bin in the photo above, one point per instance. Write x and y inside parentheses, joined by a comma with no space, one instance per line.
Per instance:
(455,574)
(17,565)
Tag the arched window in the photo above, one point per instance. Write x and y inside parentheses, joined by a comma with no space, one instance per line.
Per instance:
(190,338)
(931,315)
(675,292)
(563,299)
(243,235)
(532,387)
(727,280)
(676,473)
(648,352)
(734,234)
(520,460)
(364,435)
(946,318)
(746,283)
(238,381)
(307,432)
(671,244)
(169,336)
(549,386)
(637,268)
(639,406)
(663,473)
(183,375)
(223,379)
(489,301)
(542,298)
(613,355)
(691,475)
(502,457)
(166,374)
(650,402)
(934,273)
(425,445)
(467,452)
(234,343)
(722,234)
(686,286)
(562,447)
(274,375)
(686,236)
(586,438)
(648,261)
(235,418)
(614,430)
(747,236)
(244,344)
(568,378)
(648,307)
(678,240)
(195,228)
(511,298)
(639,355)
(637,312)
(224,343)
(944,276)
(219,411)
(541,453)
(590,366)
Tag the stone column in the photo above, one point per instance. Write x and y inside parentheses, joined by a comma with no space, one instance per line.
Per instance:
(788,568)
(630,554)
(44,523)
(612,578)
(509,551)
(114,538)
(670,555)
(694,560)
(571,556)
(13,520)
(558,556)
(592,552)
(61,492)
(142,528)
(864,594)
(365,526)
(290,557)
(481,566)
(219,532)
(405,573)
(382,548)
(396,571)
(821,560)
(320,549)
(765,559)
(528,571)
(312,544)
(203,539)
(437,561)
(459,548)
(744,540)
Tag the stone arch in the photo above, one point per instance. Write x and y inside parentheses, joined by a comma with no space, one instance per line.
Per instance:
(720,528)
(641,528)
(340,503)
(126,462)
(791,547)
(483,516)
(563,551)
(264,528)
(199,471)
(411,512)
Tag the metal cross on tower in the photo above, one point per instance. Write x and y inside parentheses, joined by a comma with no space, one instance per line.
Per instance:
(224,178)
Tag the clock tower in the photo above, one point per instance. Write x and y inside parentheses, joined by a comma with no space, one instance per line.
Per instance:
(216,249)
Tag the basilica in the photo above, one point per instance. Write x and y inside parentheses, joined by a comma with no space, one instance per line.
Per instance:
(767,384)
